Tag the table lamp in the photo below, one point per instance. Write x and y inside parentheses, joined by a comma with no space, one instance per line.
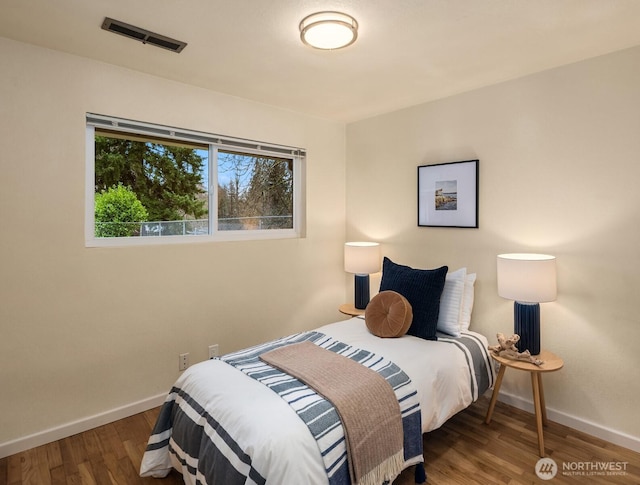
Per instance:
(362,259)
(528,279)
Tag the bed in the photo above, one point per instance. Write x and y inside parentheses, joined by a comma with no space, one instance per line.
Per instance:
(221,424)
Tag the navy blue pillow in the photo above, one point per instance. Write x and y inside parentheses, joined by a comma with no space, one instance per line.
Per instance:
(422,288)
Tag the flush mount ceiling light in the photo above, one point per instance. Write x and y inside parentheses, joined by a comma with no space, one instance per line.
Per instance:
(328,30)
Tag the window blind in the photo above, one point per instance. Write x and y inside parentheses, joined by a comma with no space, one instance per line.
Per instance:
(113,124)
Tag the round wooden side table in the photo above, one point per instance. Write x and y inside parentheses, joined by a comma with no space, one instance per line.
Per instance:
(551,363)
(350,309)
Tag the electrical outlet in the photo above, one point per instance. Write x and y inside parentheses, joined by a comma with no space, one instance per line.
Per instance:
(213,351)
(183,361)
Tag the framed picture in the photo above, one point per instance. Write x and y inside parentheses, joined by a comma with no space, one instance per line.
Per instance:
(448,194)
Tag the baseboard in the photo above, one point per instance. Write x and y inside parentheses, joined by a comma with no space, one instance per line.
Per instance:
(69,429)
(613,436)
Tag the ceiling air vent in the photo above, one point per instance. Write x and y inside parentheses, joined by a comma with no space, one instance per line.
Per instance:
(143,35)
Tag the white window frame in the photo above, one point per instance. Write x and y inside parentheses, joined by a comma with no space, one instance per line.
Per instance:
(215,142)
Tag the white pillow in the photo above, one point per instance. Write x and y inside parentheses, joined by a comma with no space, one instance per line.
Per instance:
(467,302)
(451,303)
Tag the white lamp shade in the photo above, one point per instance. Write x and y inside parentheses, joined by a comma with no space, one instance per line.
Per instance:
(328,30)
(362,257)
(527,278)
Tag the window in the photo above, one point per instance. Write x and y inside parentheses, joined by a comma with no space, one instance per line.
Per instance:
(151,184)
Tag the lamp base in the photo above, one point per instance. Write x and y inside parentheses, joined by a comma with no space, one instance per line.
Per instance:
(361,297)
(526,323)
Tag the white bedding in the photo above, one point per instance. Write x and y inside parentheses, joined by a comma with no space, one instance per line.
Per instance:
(265,428)
(439,373)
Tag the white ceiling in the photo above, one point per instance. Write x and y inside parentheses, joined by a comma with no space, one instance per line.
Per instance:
(407,52)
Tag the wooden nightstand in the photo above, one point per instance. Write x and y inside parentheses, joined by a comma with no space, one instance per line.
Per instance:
(350,309)
(551,363)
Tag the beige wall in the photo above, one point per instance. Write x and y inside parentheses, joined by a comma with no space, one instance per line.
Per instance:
(86,330)
(83,331)
(559,172)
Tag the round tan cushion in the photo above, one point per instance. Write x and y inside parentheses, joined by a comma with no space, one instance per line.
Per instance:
(388,314)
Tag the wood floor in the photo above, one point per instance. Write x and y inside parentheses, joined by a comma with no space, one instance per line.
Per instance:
(463,451)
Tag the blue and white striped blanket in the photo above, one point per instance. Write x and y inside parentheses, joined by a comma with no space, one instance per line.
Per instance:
(319,414)
(221,426)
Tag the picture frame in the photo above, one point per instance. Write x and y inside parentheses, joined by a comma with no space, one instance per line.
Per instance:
(448,194)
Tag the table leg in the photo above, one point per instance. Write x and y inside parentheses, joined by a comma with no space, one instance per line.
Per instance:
(496,390)
(542,404)
(535,382)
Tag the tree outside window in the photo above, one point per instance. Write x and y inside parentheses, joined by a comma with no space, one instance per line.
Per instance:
(151,186)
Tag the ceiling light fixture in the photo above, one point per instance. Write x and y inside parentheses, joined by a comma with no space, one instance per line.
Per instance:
(328,30)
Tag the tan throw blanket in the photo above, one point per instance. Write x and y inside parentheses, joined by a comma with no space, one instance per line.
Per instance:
(365,401)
